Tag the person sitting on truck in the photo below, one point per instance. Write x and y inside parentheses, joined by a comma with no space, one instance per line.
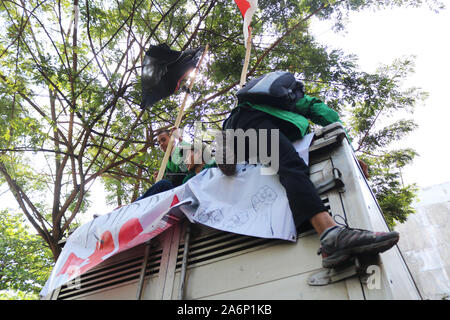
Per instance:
(176,169)
(338,243)
(198,158)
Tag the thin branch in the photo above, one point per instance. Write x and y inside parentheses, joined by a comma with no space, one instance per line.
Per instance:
(21,197)
(24,149)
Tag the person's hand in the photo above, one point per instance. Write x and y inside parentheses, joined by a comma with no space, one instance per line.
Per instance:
(364,168)
(177,133)
(155,175)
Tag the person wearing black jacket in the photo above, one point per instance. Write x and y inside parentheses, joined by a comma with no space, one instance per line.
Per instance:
(338,244)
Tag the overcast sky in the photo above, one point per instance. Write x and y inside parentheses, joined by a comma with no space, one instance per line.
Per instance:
(379,37)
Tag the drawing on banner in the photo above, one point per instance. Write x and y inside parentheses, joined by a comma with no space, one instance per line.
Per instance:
(262,203)
(209,217)
(238,220)
(265,197)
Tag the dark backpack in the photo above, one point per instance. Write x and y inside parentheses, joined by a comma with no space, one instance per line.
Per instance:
(278,89)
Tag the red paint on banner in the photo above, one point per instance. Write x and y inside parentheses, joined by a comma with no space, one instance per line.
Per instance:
(130,235)
(104,246)
(72,260)
(129,231)
(174,201)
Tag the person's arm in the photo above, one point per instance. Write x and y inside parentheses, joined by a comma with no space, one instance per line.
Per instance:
(188,176)
(170,168)
(323,115)
(317,111)
(210,164)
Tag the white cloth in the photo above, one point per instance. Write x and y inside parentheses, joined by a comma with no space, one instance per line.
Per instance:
(248,203)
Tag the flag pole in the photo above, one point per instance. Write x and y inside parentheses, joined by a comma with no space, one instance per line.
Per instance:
(168,152)
(247,58)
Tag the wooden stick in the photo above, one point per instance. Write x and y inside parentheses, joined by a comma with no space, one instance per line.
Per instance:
(247,58)
(162,169)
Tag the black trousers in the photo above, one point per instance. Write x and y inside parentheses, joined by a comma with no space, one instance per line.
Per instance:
(303,198)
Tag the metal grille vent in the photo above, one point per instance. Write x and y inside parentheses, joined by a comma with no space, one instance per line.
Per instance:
(221,245)
(205,249)
(326,203)
(111,275)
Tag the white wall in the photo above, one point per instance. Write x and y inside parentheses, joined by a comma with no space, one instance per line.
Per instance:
(425,241)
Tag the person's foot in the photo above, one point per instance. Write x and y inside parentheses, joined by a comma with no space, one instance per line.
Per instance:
(338,244)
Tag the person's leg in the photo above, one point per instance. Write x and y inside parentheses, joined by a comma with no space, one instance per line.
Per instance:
(321,222)
(293,173)
(338,243)
(158,187)
(303,198)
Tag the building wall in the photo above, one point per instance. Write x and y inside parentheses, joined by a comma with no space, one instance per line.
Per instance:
(425,242)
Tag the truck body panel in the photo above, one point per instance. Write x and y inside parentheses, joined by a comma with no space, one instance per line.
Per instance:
(223,265)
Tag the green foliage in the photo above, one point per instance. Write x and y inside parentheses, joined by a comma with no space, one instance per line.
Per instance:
(69,97)
(18,295)
(380,97)
(25,262)
(393,196)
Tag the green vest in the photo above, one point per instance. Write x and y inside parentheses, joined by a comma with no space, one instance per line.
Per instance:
(308,108)
(176,163)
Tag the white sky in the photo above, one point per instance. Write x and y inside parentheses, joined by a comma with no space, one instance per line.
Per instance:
(379,37)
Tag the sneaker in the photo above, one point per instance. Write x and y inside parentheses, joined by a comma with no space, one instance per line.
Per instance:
(339,244)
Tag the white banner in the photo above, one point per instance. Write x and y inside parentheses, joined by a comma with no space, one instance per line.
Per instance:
(248,203)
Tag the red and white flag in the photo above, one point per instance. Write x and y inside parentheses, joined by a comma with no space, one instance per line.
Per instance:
(247,8)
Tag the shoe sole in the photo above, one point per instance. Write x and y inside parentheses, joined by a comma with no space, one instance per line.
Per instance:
(342,256)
